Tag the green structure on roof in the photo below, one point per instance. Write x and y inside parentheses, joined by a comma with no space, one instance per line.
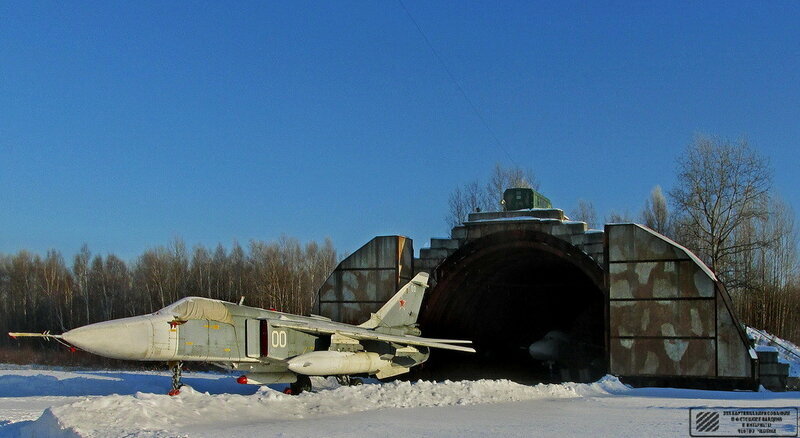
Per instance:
(520,198)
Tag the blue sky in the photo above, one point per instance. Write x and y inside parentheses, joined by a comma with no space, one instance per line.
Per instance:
(126,124)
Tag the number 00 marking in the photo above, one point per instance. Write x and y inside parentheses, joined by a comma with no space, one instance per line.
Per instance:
(278,338)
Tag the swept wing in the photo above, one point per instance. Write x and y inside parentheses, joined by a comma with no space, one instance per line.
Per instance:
(322,327)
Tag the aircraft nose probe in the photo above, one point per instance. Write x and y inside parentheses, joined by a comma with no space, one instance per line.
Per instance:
(127,338)
(46,335)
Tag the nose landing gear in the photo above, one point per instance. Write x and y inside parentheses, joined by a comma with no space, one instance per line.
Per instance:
(176,368)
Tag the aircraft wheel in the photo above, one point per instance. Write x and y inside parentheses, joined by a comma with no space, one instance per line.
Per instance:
(303,383)
(356,382)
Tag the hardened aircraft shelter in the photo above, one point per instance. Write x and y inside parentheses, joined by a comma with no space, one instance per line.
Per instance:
(635,303)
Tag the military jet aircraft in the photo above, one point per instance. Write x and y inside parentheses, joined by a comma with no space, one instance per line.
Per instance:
(575,360)
(266,345)
(554,346)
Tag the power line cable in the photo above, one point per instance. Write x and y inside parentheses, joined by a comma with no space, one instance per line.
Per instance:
(457,84)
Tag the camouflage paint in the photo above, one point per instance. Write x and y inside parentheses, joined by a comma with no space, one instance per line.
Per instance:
(366,279)
(666,313)
(669,316)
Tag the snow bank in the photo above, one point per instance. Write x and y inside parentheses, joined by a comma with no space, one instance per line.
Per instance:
(153,415)
(787,351)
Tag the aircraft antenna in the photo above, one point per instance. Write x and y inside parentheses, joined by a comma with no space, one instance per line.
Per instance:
(457,84)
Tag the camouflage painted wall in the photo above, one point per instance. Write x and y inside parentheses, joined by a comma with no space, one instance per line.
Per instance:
(366,279)
(668,315)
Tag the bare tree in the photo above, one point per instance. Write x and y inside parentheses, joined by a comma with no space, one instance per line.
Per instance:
(80,271)
(22,288)
(220,275)
(727,215)
(655,213)
(768,285)
(55,285)
(585,212)
(505,178)
(619,217)
(475,196)
(463,201)
(722,188)
(38,293)
(239,276)
(780,232)
(201,272)
(178,262)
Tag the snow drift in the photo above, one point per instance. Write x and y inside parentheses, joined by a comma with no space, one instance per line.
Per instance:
(153,415)
(787,351)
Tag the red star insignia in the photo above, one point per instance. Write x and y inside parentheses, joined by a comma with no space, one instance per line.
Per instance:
(402,303)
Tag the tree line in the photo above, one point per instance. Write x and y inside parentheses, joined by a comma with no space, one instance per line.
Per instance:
(725,209)
(722,207)
(50,293)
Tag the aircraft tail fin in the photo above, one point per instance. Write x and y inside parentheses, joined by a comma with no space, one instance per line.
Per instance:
(402,309)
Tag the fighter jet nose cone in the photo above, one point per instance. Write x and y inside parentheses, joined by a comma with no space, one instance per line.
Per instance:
(541,350)
(128,338)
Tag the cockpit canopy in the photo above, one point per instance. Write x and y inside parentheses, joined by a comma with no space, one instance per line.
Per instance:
(198,308)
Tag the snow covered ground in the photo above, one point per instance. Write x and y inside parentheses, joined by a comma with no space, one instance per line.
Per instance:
(787,351)
(41,402)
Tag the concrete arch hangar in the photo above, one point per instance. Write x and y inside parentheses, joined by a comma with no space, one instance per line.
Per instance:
(504,289)
(513,289)
(545,298)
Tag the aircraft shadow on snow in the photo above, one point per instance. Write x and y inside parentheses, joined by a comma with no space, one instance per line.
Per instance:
(108,383)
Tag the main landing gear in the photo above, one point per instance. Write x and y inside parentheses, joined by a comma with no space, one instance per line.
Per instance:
(303,383)
(176,368)
(349,381)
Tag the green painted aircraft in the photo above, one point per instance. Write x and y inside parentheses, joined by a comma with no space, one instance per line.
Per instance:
(265,345)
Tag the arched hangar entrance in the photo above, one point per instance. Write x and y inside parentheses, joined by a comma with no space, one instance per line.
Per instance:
(509,290)
(518,279)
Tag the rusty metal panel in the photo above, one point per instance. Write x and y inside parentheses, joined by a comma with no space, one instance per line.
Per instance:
(649,247)
(632,243)
(330,289)
(378,253)
(620,243)
(405,253)
(358,286)
(386,253)
(661,279)
(367,255)
(369,276)
(664,301)
(331,310)
(695,282)
(683,318)
(733,356)
(356,313)
(385,284)
(350,313)
(662,357)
